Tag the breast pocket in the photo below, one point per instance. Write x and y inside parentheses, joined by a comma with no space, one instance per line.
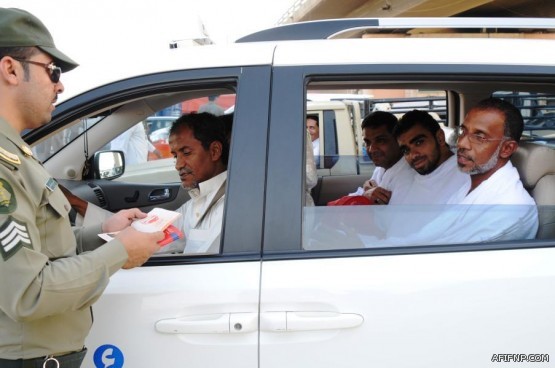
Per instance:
(57,202)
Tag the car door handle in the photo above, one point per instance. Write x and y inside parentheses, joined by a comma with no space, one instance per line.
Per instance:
(159,195)
(291,321)
(225,323)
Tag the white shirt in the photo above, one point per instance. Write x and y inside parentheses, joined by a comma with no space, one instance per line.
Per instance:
(498,209)
(316,150)
(201,223)
(438,186)
(402,219)
(134,144)
(377,175)
(398,179)
(212,108)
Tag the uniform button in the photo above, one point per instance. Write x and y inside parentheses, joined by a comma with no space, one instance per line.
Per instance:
(66,207)
(197,214)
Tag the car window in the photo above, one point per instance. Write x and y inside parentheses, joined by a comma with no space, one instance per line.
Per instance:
(51,145)
(343,217)
(150,178)
(146,144)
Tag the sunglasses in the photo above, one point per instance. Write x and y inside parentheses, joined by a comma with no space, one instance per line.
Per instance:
(55,72)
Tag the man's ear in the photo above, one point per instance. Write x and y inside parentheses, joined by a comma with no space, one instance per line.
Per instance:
(215,150)
(508,148)
(8,71)
(440,136)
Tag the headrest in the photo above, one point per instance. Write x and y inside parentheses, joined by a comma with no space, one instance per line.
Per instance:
(533,161)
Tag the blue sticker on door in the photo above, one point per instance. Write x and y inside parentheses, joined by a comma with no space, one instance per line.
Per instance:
(108,356)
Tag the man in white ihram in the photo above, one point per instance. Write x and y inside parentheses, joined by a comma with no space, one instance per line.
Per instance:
(494,206)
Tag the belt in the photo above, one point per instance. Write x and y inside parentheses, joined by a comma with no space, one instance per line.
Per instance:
(71,360)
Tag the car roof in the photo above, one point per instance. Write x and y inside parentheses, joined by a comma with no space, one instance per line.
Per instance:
(378,49)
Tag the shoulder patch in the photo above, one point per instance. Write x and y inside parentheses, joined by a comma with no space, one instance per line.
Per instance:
(13,236)
(9,157)
(8,202)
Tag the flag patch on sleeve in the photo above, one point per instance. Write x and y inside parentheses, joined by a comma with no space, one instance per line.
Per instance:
(13,236)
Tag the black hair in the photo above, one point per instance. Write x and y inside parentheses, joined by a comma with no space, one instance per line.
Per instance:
(377,119)
(413,118)
(206,128)
(19,53)
(316,118)
(228,124)
(514,123)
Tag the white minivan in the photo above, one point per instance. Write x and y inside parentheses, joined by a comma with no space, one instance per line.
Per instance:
(295,285)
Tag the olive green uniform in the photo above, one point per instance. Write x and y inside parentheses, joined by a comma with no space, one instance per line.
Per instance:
(46,290)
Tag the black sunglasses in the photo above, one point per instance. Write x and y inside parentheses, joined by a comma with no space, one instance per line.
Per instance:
(55,72)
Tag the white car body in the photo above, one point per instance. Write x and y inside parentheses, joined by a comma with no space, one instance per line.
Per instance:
(264,301)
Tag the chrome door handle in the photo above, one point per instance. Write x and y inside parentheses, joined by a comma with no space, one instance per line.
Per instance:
(291,321)
(159,195)
(224,323)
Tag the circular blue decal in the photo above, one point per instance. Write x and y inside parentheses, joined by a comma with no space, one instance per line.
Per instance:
(108,356)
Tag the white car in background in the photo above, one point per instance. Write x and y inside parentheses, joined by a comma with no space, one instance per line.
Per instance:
(267,299)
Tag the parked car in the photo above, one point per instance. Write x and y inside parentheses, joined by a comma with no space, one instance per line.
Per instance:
(281,293)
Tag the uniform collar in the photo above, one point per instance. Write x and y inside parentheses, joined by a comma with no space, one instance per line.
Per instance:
(9,132)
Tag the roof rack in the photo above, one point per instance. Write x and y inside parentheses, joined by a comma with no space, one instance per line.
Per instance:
(325,29)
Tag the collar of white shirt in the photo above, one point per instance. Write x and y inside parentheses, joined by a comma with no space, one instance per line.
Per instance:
(209,186)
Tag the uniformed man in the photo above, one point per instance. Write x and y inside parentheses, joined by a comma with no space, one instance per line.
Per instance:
(50,274)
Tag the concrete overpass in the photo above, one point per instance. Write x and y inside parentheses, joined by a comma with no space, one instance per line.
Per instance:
(306,10)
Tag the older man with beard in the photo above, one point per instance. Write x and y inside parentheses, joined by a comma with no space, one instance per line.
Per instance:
(486,140)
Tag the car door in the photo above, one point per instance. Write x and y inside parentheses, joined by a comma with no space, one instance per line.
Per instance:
(344,304)
(176,310)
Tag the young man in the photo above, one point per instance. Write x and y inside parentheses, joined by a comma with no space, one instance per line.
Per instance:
(392,175)
(200,146)
(422,143)
(51,274)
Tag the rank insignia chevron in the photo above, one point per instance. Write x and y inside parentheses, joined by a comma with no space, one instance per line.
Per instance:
(13,236)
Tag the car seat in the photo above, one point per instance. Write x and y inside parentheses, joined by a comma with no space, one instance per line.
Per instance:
(536,165)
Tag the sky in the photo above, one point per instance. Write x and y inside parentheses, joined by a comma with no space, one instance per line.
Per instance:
(98,33)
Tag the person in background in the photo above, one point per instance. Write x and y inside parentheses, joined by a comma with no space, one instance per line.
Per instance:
(51,274)
(135,145)
(211,107)
(313,127)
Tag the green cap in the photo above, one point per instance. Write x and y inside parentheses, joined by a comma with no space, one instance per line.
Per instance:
(19,28)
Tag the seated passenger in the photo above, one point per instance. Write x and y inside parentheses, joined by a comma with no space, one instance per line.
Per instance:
(311,176)
(313,127)
(200,146)
(422,142)
(392,174)
(420,139)
(494,206)
(486,140)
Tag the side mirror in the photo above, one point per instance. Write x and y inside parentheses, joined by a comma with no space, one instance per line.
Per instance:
(108,164)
